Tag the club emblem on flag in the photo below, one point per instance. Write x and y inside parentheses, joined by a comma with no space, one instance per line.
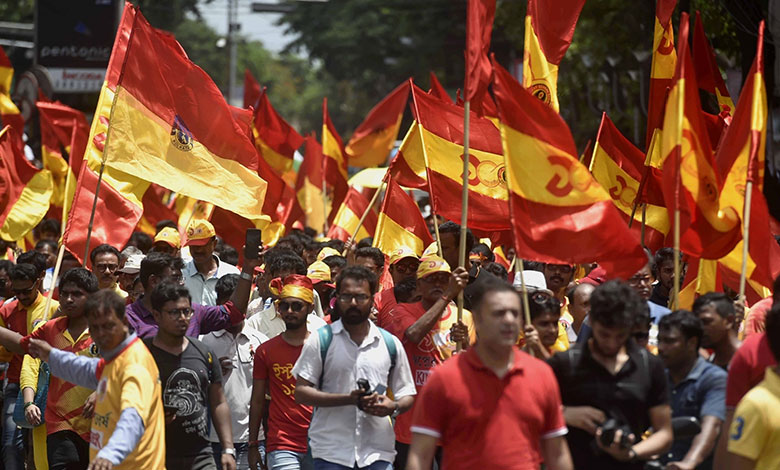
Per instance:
(541,91)
(181,137)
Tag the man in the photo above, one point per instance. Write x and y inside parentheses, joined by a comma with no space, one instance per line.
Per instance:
(127,429)
(493,406)
(542,333)
(717,314)
(371,258)
(403,265)
(430,331)
(642,283)
(536,286)
(192,386)
(449,232)
(663,272)
(610,377)
(235,348)
(754,437)
(105,263)
(168,241)
(47,229)
(579,307)
(129,272)
(157,268)
(351,429)
(203,270)
(20,316)
(5,280)
(68,410)
(698,390)
(319,273)
(287,421)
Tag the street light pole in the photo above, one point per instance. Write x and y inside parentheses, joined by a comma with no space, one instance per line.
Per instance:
(232,43)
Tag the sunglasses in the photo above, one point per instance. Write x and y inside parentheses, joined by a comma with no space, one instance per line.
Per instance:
(26,291)
(293,306)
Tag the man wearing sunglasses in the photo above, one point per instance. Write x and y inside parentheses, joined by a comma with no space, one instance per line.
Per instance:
(403,265)
(105,265)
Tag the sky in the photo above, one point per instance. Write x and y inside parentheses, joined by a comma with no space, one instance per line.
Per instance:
(255,26)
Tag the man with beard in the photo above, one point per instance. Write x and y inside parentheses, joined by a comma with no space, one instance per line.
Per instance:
(717,314)
(192,385)
(403,265)
(608,383)
(663,271)
(345,370)
(287,421)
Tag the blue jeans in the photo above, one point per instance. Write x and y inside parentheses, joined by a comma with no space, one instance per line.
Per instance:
(289,460)
(242,454)
(320,464)
(13,448)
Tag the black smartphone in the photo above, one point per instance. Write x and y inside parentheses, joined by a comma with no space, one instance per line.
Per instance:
(254,241)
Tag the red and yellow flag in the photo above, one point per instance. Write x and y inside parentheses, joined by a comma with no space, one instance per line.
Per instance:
(549,29)
(9,113)
(559,213)
(275,139)
(346,221)
(663,65)
(25,191)
(308,186)
(334,163)
(617,165)
(707,71)
(155,209)
(251,90)
(691,182)
(438,90)
(400,223)
(431,158)
(479,27)
(372,141)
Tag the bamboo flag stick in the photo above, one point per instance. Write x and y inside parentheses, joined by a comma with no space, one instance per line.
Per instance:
(464,203)
(365,214)
(745,237)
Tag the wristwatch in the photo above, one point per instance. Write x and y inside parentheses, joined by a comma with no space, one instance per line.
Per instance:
(245,276)
(396,411)
(230,451)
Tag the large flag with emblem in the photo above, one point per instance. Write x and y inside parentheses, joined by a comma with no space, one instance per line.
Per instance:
(400,223)
(348,216)
(549,29)
(559,213)
(372,141)
(9,113)
(691,182)
(275,139)
(663,64)
(618,166)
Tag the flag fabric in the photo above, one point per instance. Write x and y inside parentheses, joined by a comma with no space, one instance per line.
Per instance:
(741,158)
(400,223)
(559,213)
(346,221)
(617,165)
(9,112)
(251,90)
(479,27)
(501,257)
(431,158)
(334,164)
(438,90)
(170,125)
(707,71)
(155,209)
(549,29)
(707,229)
(663,65)
(25,191)
(308,185)
(275,139)
(372,141)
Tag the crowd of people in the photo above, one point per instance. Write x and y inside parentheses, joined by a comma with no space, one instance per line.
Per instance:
(321,354)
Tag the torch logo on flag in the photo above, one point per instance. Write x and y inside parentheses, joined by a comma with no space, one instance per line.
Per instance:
(181,137)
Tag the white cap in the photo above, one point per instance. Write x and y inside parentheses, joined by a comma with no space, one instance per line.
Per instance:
(534,281)
(133,264)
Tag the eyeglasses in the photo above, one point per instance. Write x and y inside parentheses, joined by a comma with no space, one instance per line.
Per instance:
(637,280)
(348,298)
(406,268)
(177,312)
(107,267)
(25,291)
(293,306)
(539,297)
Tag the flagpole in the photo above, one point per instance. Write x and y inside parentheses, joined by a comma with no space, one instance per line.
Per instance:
(428,176)
(55,275)
(365,214)
(644,222)
(745,237)
(464,202)
(524,295)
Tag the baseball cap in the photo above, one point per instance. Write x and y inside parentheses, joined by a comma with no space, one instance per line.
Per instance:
(170,236)
(432,249)
(200,232)
(432,264)
(327,251)
(595,278)
(400,253)
(534,281)
(318,272)
(132,265)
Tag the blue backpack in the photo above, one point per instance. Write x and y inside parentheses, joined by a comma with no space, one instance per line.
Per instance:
(326,337)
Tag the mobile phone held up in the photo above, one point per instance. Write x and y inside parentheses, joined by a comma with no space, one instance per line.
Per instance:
(254,241)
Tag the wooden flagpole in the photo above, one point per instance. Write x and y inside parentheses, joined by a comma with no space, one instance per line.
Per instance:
(464,202)
(365,214)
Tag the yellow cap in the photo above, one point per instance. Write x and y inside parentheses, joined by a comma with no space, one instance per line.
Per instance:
(400,253)
(432,264)
(318,271)
(327,251)
(200,232)
(170,236)
(433,249)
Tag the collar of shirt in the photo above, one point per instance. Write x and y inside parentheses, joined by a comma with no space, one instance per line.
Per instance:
(694,374)
(633,359)
(247,332)
(373,333)
(139,308)
(223,268)
(472,359)
(112,353)
(36,303)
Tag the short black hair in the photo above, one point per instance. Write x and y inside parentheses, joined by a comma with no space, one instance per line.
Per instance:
(335,261)
(286,262)
(83,278)
(225,287)
(533,266)
(724,305)
(453,228)
(357,273)
(292,243)
(104,301)
(142,240)
(773,330)
(23,272)
(6,265)
(155,263)
(48,226)
(615,304)
(165,223)
(546,305)
(684,320)
(365,243)
(167,292)
(310,232)
(661,256)
(497,270)
(38,260)
(228,254)
(373,253)
(404,290)
(104,248)
(50,243)
(492,285)
(484,250)
(643,316)
(336,244)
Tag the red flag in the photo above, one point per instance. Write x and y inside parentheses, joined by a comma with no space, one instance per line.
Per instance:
(275,139)
(479,27)
(251,90)
(400,223)
(438,90)
(9,112)
(372,141)
(663,65)
(346,221)
(707,71)
(309,183)
(334,162)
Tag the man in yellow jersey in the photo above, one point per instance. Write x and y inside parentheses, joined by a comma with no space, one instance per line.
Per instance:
(128,425)
(754,438)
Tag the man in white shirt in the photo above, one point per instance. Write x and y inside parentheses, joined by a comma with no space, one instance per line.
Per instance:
(350,429)
(205,268)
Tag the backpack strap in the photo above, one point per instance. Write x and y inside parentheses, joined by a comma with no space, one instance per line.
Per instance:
(325,334)
(391,349)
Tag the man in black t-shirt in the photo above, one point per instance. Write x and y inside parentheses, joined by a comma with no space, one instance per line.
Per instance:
(609,380)
(191,386)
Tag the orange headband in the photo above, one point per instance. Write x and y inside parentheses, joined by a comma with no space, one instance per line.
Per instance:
(293,285)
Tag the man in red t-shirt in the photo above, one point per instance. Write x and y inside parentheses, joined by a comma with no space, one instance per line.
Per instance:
(288,421)
(403,265)
(429,331)
(493,406)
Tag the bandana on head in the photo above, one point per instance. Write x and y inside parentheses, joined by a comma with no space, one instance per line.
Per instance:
(293,285)
(432,264)
(477,257)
